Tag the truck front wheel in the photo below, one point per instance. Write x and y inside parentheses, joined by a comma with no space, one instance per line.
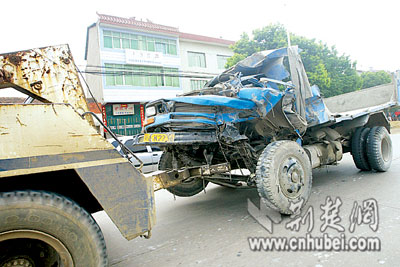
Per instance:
(45,229)
(187,188)
(284,175)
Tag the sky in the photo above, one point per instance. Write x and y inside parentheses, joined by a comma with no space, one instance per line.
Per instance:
(367,31)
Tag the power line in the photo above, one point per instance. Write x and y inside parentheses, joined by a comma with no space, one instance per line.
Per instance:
(123,67)
(88,88)
(146,73)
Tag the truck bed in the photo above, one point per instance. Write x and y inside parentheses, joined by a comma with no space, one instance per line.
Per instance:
(364,101)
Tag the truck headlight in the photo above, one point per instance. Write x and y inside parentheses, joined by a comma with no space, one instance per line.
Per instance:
(150,111)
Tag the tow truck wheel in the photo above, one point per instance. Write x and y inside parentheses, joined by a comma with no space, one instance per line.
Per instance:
(284,175)
(379,149)
(45,229)
(187,188)
(359,148)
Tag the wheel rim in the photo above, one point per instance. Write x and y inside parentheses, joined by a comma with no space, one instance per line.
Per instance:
(291,177)
(385,150)
(24,260)
(19,262)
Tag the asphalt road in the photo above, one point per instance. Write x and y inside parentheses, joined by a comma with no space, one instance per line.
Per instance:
(212,228)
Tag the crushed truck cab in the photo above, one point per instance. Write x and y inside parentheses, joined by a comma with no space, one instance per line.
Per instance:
(267,123)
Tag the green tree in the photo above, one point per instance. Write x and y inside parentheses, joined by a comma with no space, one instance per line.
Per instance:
(370,78)
(333,73)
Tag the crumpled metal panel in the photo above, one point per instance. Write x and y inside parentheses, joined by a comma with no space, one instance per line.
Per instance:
(214,100)
(269,63)
(189,119)
(265,98)
(250,100)
(316,111)
(299,79)
(48,74)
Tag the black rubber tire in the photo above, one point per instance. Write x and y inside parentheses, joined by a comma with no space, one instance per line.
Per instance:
(359,148)
(268,173)
(379,149)
(53,215)
(187,188)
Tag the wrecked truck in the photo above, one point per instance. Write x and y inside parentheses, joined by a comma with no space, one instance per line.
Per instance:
(264,120)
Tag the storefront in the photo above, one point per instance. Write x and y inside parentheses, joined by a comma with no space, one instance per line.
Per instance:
(124,118)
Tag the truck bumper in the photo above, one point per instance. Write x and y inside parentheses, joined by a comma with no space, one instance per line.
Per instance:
(176,138)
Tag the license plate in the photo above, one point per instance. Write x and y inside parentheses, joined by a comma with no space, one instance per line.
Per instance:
(158,137)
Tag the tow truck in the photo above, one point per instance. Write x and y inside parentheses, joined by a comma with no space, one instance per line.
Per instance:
(56,169)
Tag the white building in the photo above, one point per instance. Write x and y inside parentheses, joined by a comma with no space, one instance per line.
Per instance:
(131,62)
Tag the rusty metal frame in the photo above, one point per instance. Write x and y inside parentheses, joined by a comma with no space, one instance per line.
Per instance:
(48,74)
(170,178)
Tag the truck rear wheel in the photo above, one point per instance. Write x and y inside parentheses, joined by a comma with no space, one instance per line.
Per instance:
(284,175)
(379,149)
(187,188)
(359,148)
(46,229)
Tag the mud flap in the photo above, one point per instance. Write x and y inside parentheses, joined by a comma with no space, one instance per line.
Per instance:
(125,194)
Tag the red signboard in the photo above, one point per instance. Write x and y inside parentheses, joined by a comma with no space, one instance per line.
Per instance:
(142,114)
(123,109)
(103,110)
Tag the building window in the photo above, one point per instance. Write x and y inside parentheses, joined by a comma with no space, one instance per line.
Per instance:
(197,59)
(197,84)
(114,39)
(221,60)
(133,75)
